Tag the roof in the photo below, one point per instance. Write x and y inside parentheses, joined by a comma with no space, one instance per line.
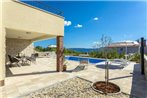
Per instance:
(124,44)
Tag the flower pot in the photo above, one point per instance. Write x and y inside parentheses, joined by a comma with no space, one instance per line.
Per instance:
(110,89)
(64,67)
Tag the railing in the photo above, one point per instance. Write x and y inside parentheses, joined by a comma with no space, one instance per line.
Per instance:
(42,5)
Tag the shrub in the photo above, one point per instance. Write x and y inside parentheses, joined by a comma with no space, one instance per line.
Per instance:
(136,58)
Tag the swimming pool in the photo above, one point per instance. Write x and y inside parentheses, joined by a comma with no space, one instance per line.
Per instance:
(91,60)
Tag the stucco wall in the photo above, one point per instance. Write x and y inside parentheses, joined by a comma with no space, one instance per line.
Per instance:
(22,17)
(2,47)
(145,67)
(15,46)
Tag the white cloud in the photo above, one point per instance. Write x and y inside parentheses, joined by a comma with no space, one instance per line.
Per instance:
(96,18)
(67,23)
(78,26)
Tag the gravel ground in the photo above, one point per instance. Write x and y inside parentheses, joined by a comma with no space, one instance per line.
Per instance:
(72,88)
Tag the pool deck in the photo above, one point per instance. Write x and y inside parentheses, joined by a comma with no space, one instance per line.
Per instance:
(26,79)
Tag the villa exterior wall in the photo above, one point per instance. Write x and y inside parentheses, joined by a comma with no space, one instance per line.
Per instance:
(2,49)
(123,49)
(15,46)
(23,17)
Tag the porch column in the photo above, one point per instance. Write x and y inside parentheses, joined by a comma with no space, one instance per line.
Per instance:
(59,52)
(142,55)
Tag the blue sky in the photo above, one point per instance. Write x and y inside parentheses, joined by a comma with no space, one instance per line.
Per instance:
(86,21)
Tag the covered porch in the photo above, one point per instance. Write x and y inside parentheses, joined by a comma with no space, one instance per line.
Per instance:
(21,42)
(23,24)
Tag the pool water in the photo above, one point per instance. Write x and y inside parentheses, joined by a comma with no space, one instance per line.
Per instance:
(91,60)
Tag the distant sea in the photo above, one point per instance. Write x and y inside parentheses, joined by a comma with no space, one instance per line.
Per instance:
(85,50)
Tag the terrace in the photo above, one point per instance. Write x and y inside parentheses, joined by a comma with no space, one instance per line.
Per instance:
(22,25)
(24,80)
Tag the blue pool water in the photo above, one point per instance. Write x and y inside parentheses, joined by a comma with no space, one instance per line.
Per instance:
(91,60)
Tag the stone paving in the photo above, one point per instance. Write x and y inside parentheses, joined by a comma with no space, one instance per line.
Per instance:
(72,88)
(26,79)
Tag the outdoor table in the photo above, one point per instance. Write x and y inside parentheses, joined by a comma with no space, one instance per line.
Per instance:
(23,59)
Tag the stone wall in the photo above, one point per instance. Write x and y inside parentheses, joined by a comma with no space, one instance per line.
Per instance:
(15,46)
(145,65)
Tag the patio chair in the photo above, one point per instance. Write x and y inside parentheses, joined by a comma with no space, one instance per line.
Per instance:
(13,60)
(32,58)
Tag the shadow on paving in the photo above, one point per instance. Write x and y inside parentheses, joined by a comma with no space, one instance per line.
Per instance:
(113,67)
(120,77)
(10,74)
(139,84)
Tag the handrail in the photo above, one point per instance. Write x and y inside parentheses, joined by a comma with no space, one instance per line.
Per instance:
(47,7)
(51,8)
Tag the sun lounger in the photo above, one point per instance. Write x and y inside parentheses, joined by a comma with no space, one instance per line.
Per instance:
(122,62)
(32,58)
(83,65)
(79,68)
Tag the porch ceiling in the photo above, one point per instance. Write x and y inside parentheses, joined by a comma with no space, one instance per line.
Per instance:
(21,34)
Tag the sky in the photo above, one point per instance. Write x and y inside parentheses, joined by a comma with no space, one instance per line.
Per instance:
(86,21)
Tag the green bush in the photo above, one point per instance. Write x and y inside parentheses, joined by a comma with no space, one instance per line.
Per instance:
(41,49)
(71,52)
(110,54)
(136,58)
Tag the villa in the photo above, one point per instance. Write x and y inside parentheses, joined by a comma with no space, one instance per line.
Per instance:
(25,73)
(127,46)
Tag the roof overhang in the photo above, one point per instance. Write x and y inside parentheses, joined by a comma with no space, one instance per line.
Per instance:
(27,35)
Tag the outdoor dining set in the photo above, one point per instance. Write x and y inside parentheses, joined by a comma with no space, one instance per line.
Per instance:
(22,60)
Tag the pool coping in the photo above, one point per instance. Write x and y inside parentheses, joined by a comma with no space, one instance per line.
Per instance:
(88,60)
(85,57)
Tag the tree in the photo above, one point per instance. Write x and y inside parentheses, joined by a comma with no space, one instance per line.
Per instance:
(104,42)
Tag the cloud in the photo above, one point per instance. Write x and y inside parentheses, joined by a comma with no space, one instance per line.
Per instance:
(78,26)
(96,18)
(67,23)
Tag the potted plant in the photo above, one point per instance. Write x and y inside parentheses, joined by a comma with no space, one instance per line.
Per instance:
(106,87)
(65,65)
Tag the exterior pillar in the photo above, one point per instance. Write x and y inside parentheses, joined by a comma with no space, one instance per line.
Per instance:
(142,55)
(59,52)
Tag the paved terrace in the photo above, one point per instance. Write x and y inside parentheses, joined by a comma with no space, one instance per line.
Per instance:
(26,79)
